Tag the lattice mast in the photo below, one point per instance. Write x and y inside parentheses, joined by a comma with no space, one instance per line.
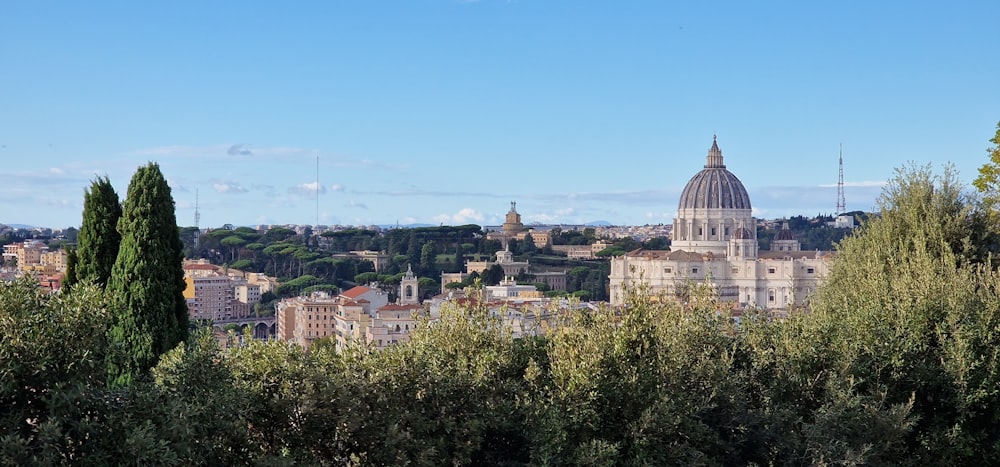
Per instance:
(841,204)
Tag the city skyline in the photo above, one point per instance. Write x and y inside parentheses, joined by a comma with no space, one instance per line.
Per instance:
(441,112)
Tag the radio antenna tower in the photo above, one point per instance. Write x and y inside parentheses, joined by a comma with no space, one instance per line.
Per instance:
(841,204)
(197,213)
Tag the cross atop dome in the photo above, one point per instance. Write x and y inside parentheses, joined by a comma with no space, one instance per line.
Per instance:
(714,159)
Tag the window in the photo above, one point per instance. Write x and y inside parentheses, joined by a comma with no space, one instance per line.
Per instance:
(699,231)
(668,270)
(770,270)
(810,270)
(736,270)
(694,270)
(713,231)
(726,232)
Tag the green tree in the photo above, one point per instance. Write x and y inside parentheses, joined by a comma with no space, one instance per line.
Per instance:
(911,313)
(99,238)
(528,245)
(51,375)
(69,280)
(428,259)
(988,181)
(458,262)
(149,315)
(233,243)
(414,248)
(365,278)
(451,395)
(493,275)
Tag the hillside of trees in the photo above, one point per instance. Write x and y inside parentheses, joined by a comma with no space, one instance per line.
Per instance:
(305,262)
(897,363)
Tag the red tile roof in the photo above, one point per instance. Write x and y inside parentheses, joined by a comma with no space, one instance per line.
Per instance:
(356,292)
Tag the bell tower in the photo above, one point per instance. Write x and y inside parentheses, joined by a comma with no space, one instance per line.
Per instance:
(408,289)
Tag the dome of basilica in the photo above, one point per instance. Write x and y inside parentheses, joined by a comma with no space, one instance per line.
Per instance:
(714,187)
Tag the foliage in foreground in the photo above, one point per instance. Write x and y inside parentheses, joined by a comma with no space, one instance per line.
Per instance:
(898,364)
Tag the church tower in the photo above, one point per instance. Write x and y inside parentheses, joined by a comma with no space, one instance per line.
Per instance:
(408,289)
(512,223)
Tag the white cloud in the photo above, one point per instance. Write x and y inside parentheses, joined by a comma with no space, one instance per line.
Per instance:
(355,204)
(239,150)
(307,189)
(176,186)
(463,216)
(56,202)
(228,187)
(564,215)
(337,188)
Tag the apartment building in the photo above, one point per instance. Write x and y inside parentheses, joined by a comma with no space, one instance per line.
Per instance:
(27,254)
(359,313)
(213,295)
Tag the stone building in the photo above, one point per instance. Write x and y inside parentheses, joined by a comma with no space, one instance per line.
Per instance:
(715,243)
(513,228)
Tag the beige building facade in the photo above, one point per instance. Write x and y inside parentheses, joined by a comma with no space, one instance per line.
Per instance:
(357,314)
(218,294)
(715,243)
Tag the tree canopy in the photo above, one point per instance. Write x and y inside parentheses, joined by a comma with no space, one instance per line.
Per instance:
(99,239)
(149,314)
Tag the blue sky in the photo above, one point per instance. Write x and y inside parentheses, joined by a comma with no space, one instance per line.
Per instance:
(443,111)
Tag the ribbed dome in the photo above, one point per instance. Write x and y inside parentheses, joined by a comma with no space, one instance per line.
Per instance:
(784,233)
(743,233)
(714,186)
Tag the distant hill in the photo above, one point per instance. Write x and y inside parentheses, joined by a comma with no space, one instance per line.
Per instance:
(405,226)
(598,224)
(19,226)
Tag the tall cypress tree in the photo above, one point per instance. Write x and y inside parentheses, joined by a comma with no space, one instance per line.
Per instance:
(99,239)
(70,277)
(148,312)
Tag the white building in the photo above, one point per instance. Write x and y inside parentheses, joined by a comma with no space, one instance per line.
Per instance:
(715,243)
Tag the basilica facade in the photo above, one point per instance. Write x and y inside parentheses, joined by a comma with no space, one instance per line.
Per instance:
(715,243)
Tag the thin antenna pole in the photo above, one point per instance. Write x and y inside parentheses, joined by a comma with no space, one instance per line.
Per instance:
(841,204)
(317,190)
(197,214)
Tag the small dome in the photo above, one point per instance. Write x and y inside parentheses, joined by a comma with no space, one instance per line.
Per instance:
(714,186)
(784,233)
(743,233)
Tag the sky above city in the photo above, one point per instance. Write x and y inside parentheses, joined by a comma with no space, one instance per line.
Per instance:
(444,111)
